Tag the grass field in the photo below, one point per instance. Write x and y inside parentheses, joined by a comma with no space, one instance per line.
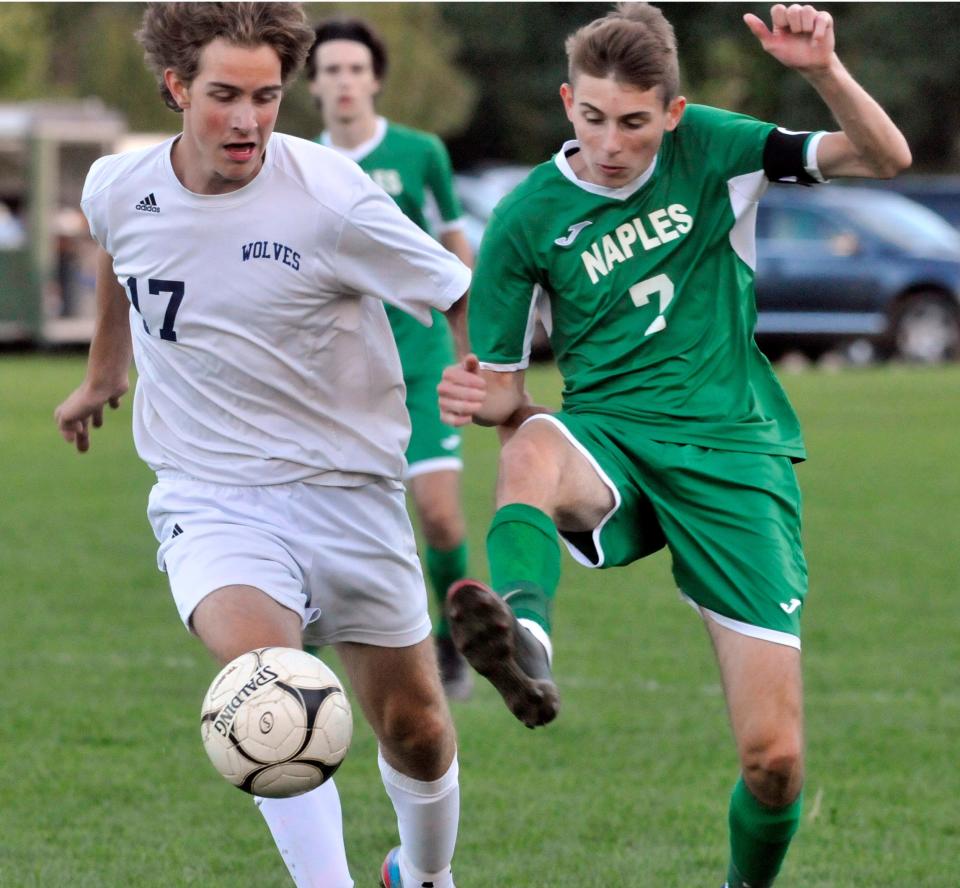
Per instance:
(105,782)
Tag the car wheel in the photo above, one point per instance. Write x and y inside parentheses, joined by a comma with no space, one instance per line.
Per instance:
(926,329)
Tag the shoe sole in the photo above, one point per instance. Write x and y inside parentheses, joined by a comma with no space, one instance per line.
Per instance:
(485,632)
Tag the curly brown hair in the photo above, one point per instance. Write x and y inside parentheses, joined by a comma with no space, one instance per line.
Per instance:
(634,44)
(174,34)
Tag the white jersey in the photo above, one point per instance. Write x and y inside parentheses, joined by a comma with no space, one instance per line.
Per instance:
(262,346)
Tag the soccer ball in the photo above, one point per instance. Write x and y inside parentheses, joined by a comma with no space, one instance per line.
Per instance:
(276,722)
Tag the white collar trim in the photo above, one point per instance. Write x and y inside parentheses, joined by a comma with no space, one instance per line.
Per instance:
(364,148)
(621,193)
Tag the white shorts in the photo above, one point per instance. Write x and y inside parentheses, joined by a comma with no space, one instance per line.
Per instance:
(344,558)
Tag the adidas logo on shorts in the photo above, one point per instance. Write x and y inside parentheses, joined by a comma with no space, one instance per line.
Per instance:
(148,204)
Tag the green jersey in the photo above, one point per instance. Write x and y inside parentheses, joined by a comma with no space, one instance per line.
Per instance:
(647,289)
(410,165)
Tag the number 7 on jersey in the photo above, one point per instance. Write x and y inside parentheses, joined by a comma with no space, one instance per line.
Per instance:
(641,292)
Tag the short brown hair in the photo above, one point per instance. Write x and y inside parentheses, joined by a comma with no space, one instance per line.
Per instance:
(634,44)
(174,34)
(349,29)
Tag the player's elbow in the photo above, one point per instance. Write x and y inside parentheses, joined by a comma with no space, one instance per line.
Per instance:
(894,162)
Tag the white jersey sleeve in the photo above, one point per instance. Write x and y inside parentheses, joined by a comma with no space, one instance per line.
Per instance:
(381,253)
(105,173)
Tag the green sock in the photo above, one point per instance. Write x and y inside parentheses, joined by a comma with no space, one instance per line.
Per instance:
(444,569)
(759,838)
(524,557)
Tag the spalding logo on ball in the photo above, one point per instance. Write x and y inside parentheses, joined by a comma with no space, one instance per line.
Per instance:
(276,722)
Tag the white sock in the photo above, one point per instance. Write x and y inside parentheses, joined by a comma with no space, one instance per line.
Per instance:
(428,813)
(308,830)
(540,634)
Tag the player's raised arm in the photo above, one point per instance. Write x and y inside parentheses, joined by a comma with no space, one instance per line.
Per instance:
(108,366)
(868,144)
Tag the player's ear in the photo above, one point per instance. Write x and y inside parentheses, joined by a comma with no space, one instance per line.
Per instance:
(566,94)
(675,112)
(178,89)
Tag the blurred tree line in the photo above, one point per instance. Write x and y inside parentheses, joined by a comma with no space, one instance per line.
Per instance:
(486,75)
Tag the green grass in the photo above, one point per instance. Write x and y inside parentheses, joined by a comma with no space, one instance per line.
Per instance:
(105,782)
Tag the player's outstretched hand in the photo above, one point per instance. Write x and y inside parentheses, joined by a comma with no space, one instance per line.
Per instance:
(81,409)
(802,37)
(462,391)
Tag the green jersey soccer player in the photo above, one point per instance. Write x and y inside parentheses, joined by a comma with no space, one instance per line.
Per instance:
(346,67)
(636,242)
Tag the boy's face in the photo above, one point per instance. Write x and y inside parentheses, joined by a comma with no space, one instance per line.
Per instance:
(619,126)
(344,85)
(230,110)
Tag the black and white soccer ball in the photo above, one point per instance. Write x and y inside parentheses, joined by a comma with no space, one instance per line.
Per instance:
(276,722)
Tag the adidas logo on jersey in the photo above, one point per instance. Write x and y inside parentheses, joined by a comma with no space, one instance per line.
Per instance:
(148,204)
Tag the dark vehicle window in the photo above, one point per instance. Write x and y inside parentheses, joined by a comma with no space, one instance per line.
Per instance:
(908,225)
(782,223)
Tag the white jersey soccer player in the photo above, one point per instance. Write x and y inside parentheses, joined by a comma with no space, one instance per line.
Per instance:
(246,272)
(270,403)
(263,349)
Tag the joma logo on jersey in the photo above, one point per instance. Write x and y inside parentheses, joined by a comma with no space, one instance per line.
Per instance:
(271,250)
(658,227)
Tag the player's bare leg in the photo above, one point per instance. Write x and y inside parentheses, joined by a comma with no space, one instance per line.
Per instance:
(764,692)
(437,501)
(235,619)
(544,483)
(400,694)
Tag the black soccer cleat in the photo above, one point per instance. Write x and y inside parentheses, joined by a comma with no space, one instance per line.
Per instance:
(487,633)
(455,674)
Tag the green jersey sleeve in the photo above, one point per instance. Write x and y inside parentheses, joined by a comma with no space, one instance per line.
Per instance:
(503,301)
(732,143)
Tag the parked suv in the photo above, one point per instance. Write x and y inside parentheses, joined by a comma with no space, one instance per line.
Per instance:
(936,192)
(849,264)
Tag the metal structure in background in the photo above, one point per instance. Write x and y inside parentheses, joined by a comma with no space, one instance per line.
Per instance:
(46,253)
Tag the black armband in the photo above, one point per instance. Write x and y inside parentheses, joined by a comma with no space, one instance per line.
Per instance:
(784,158)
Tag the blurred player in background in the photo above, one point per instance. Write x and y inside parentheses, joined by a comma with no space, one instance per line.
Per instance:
(346,67)
(246,271)
(639,237)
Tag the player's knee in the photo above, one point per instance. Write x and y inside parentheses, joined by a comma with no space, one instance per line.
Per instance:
(418,735)
(773,770)
(524,457)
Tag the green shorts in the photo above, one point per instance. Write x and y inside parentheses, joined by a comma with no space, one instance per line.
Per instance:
(424,354)
(730,519)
